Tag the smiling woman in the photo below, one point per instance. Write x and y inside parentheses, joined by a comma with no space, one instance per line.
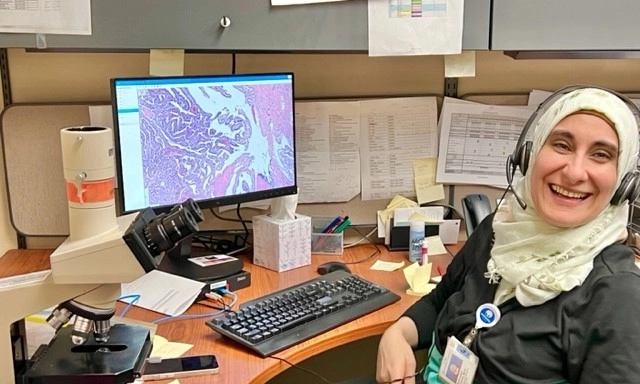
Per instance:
(550,264)
(574,175)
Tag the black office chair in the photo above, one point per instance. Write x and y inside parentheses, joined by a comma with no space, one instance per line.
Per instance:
(475,207)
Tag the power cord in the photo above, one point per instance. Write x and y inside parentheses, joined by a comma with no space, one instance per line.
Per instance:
(200,316)
(365,237)
(134,298)
(301,368)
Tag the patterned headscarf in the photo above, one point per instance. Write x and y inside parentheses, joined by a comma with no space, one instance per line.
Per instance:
(536,261)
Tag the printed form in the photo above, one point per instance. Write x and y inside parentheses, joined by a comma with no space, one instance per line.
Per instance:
(395,132)
(72,17)
(328,151)
(475,140)
(415,27)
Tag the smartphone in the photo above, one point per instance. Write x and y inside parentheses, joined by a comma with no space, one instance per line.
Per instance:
(175,368)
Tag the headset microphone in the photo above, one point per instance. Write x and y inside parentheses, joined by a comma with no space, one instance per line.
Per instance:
(511,170)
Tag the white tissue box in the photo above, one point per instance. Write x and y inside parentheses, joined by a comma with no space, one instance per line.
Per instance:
(281,245)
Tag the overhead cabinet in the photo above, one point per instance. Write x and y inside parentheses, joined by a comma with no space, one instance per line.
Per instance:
(235,25)
(565,25)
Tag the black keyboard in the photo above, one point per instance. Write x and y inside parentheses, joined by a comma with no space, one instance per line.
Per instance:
(284,318)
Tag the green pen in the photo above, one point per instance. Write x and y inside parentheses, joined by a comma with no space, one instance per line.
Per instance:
(342,226)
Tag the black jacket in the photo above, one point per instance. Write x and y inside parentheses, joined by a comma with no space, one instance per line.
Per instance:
(590,334)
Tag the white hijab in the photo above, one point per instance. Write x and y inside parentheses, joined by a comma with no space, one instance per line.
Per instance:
(535,261)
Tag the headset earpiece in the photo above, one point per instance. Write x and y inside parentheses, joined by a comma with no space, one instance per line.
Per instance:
(524,152)
(629,189)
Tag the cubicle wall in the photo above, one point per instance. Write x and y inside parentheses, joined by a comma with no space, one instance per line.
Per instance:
(34,175)
(79,77)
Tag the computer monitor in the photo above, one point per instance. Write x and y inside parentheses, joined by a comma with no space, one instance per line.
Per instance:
(219,139)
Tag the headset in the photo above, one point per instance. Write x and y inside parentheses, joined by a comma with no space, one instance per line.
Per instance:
(629,188)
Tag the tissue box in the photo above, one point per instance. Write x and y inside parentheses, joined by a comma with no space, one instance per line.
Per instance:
(281,245)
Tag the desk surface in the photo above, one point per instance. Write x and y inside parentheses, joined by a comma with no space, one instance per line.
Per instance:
(238,365)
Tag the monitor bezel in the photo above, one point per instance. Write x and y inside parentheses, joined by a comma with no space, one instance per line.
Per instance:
(210,202)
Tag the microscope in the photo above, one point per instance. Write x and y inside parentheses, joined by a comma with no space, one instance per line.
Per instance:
(86,273)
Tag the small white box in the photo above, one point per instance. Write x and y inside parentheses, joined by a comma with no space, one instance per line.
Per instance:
(281,245)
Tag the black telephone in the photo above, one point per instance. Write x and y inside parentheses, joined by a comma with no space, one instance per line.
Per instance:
(475,207)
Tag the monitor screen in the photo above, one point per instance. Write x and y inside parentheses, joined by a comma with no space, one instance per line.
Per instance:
(223,139)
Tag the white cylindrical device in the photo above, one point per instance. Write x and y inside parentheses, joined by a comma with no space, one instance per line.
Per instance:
(87,158)
(416,238)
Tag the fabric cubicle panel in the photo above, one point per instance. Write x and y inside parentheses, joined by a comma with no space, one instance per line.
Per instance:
(33,165)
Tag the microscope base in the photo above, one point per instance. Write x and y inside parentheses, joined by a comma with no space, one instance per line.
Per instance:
(117,361)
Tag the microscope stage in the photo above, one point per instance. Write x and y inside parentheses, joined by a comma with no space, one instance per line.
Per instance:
(117,361)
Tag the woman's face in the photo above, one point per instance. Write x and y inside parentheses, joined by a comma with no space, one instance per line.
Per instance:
(574,175)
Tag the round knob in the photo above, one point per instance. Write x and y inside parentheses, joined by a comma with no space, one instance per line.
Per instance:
(225,22)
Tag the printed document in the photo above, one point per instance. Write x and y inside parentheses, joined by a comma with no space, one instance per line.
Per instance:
(475,140)
(415,27)
(163,292)
(328,151)
(393,133)
(72,17)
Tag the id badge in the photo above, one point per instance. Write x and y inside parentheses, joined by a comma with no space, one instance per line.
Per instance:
(459,364)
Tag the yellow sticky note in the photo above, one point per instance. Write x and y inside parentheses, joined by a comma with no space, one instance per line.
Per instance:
(166,62)
(168,349)
(461,65)
(421,278)
(427,193)
(424,170)
(435,246)
(425,167)
(418,277)
(380,265)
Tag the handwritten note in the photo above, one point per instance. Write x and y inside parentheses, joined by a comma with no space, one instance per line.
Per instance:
(424,170)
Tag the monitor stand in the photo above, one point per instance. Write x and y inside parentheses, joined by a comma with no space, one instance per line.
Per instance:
(205,267)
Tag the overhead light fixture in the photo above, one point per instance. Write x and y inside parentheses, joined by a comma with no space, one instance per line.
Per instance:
(545,55)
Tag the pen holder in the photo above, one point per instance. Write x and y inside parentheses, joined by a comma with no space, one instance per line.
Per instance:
(325,243)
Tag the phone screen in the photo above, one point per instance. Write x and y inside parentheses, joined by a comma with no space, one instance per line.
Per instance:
(181,364)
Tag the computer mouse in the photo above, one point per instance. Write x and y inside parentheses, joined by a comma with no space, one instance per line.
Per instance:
(332,266)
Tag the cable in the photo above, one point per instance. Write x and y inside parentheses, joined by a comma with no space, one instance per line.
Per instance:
(217,216)
(375,253)
(200,316)
(134,298)
(301,368)
(226,246)
(451,207)
(365,237)
(419,372)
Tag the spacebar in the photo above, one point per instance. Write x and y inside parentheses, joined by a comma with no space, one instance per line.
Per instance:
(296,322)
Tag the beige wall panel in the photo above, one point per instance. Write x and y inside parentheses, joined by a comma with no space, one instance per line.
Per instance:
(324,75)
(62,77)
(496,73)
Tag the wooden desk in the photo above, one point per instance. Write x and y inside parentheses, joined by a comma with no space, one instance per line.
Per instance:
(238,365)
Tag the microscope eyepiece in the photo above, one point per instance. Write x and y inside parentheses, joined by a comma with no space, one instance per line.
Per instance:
(166,230)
